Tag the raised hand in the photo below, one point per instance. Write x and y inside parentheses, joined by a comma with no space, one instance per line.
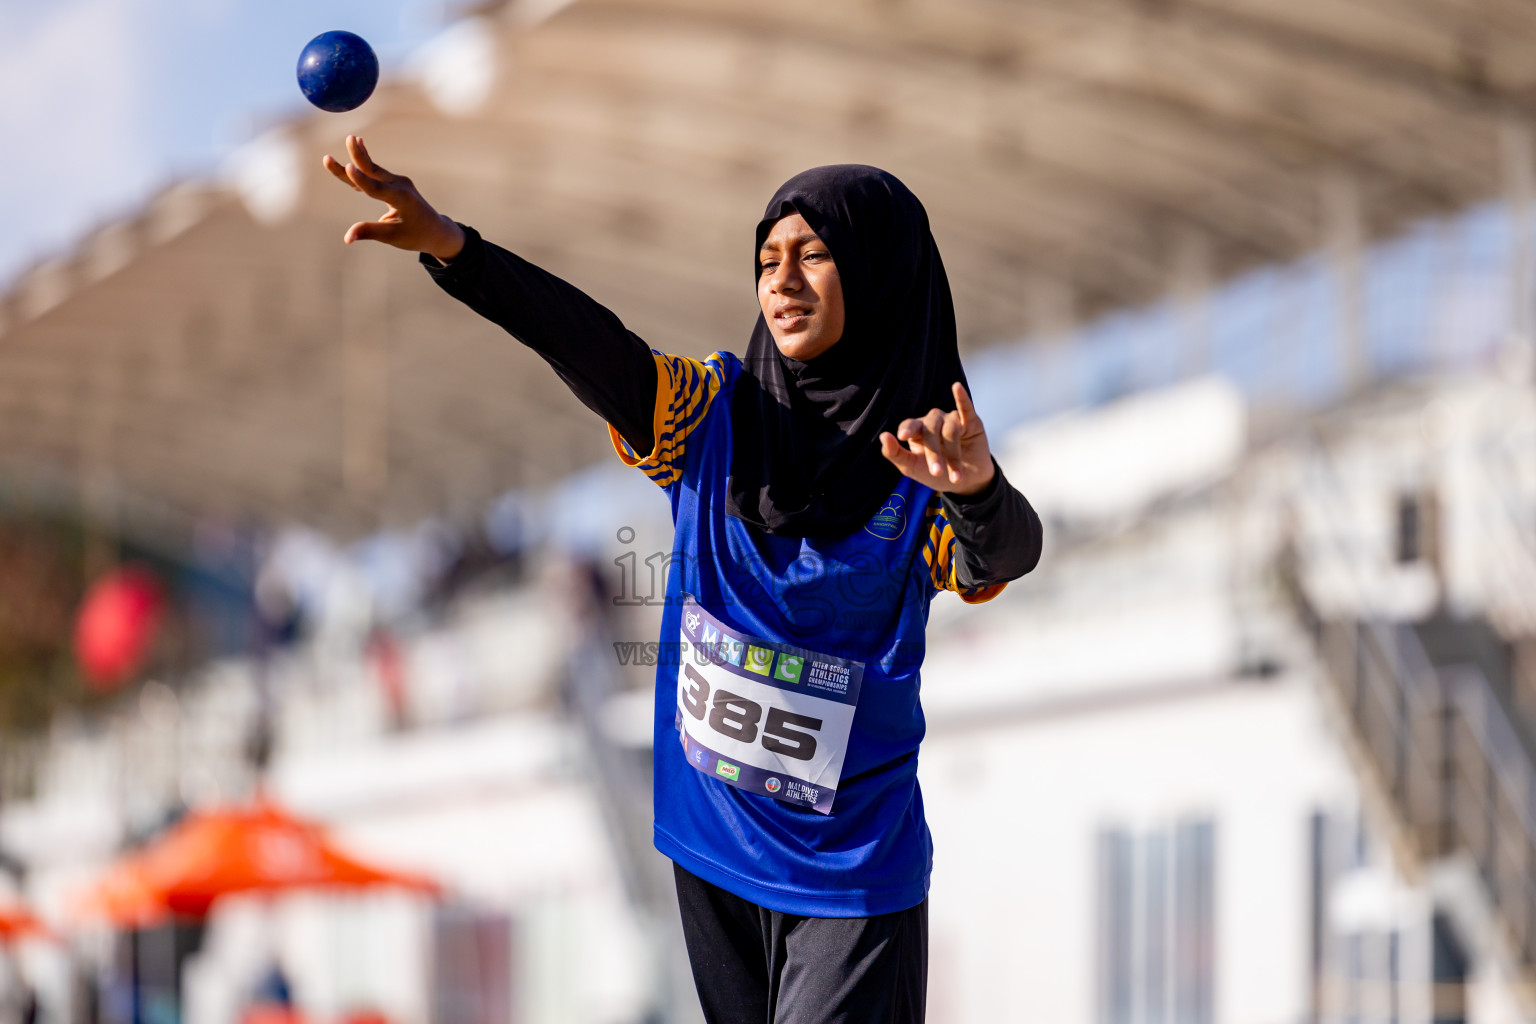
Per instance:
(410,222)
(945,450)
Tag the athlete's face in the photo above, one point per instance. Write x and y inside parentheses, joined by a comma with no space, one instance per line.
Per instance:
(799,290)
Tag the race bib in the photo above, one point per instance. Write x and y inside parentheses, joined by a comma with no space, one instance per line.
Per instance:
(768,718)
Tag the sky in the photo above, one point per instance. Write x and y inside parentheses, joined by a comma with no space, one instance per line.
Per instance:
(104,102)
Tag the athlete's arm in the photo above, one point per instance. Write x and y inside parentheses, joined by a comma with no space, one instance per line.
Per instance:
(606,366)
(998,536)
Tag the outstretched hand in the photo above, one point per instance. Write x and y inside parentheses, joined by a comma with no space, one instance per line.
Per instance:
(410,222)
(944,450)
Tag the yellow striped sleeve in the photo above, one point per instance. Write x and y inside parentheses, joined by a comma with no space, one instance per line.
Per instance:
(939,554)
(685,388)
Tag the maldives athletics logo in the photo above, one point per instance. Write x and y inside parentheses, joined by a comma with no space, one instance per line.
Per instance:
(891,520)
(773,785)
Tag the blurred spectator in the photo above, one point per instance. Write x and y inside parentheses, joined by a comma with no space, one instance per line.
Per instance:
(272,1001)
(388,662)
(278,615)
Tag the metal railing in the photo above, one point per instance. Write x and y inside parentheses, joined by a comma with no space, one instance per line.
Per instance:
(1493,784)
(1395,703)
(1445,751)
(1439,741)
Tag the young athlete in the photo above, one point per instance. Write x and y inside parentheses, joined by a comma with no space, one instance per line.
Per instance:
(821,496)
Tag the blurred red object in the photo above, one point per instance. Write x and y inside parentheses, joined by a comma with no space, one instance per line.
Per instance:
(209,854)
(118,622)
(389,666)
(125,897)
(266,1013)
(19,923)
(364,1017)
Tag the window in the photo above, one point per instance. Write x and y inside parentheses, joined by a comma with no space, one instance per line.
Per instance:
(1408,529)
(1156,924)
(1418,525)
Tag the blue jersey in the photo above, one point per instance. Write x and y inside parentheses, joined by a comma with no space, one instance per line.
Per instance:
(787,712)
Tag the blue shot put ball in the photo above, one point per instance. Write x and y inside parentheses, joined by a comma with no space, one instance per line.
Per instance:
(337,71)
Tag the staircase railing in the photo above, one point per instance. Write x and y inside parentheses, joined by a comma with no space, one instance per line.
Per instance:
(1384,679)
(1395,704)
(1442,746)
(1443,749)
(1494,799)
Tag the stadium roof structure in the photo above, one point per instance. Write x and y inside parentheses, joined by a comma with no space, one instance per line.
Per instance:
(222,353)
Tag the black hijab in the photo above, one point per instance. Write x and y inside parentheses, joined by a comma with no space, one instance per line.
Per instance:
(806,450)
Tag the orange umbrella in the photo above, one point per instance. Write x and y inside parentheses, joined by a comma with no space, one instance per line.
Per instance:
(125,896)
(209,854)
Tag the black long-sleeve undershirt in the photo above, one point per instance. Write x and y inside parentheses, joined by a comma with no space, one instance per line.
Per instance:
(610,369)
(998,536)
(604,364)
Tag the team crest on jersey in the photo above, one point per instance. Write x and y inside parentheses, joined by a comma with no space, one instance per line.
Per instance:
(891,520)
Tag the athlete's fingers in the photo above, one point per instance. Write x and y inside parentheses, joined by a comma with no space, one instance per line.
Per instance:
(951,433)
(933,440)
(367,185)
(914,434)
(910,430)
(909,463)
(933,459)
(358,150)
(924,440)
(950,428)
(338,172)
(372,230)
(963,405)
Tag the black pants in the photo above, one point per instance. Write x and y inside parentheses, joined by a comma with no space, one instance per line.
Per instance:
(757,966)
